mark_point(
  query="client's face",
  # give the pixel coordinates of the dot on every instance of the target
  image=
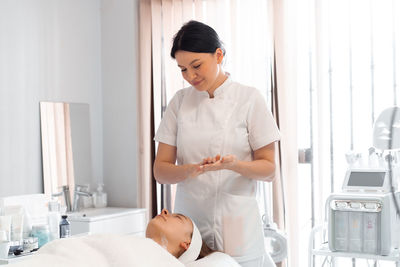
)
(171, 230)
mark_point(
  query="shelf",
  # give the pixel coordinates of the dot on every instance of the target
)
(324, 251)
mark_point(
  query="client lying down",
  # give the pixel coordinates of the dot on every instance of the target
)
(179, 235)
(171, 240)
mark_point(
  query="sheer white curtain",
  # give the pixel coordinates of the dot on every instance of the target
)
(144, 104)
(285, 44)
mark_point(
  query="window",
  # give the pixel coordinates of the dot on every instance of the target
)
(348, 69)
(346, 56)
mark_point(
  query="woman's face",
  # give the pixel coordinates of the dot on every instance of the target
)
(172, 231)
(202, 70)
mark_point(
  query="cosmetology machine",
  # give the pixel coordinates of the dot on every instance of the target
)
(364, 217)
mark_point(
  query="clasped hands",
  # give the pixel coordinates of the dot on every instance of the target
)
(213, 164)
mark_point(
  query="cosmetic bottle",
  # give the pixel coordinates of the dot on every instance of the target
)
(100, 197)
(42, 233)
(54, 219)
(65, 230)
(27, 225)
(5, 225)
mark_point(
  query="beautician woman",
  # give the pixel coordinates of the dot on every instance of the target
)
(221, 135)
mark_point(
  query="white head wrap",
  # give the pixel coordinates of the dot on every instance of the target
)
(193, 251)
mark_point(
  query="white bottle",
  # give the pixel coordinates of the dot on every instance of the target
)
(54, 218)
(100, 197)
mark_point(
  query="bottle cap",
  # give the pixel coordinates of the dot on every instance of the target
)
(64, 216)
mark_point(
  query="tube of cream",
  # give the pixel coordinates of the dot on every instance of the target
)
(5, 225)
(17, 220)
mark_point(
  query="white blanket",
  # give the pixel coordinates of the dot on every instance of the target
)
(101, 251)
(114, 251)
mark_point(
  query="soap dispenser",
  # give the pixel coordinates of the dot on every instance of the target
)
(100, 197)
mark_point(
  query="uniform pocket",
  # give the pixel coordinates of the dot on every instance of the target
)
(242, 230)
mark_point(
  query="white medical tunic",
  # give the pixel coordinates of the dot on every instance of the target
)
(222, 203)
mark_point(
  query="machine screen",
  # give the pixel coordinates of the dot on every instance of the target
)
(373, 179)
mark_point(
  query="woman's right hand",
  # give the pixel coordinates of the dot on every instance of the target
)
(194, 170)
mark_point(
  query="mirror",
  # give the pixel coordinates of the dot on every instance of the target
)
(66, 145)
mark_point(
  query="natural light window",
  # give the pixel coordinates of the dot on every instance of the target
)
(346, 62)
(348, 70)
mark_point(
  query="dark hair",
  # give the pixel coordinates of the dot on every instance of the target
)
(205, 251)
(198, 37)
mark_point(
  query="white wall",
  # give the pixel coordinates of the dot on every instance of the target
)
(63, 51)
(49, 51)
(119, 30)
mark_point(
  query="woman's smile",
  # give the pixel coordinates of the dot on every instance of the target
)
(196, 83)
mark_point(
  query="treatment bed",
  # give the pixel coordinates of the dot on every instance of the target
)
(114, 251)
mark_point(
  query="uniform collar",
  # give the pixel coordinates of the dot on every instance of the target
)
(220, 89)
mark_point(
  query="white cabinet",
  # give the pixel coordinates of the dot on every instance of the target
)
(109, 221)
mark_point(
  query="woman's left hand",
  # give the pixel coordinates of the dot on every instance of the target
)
(218, 163)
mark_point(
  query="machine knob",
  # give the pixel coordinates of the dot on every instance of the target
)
(355, 205)
(340, 204)
(371, 206)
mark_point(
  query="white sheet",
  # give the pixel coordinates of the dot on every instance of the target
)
(101, 251)
(216, 259)
(114, 251)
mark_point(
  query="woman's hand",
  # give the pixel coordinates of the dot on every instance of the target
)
(167, 172)
(194, 170)
(262, 167)
(217, 163)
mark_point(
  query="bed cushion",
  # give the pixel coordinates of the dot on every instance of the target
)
(216, 259)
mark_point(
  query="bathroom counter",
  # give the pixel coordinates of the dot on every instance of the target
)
(109, 220)
(99, 214)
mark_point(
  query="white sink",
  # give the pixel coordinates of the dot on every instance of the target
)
(89, 215)
(108, 220)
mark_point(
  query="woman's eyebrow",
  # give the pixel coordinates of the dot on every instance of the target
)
(194, 61)
(181, 215)
(190, 62)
